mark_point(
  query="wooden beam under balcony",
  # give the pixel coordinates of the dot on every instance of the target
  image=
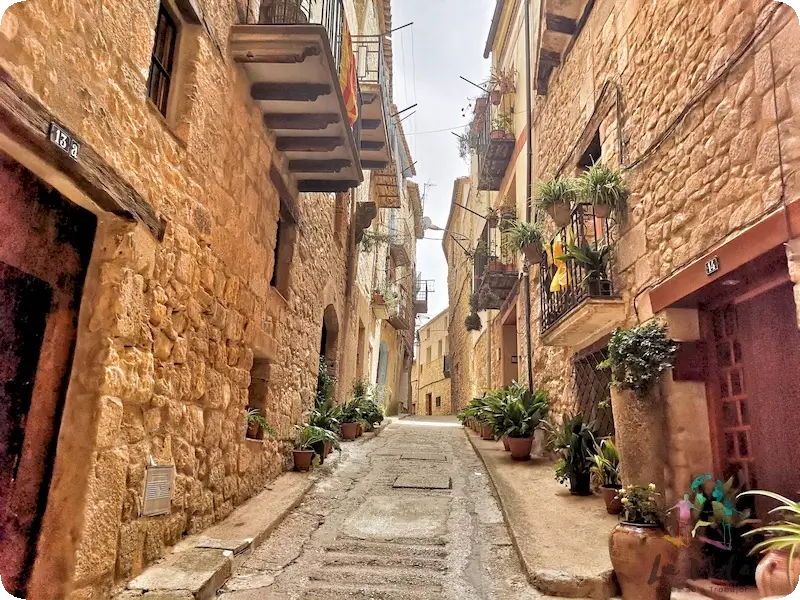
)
(308, 144)
(560, 24)
(372, 146)
(318, 166)
(309, 122)
(289, 92)
(314, 185)
(371, 123)
(374, 165)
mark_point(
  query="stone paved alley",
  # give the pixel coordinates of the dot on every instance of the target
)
(407, 515)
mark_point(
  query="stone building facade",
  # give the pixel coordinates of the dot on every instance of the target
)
(431, 370)
(694, 104)
(195, 265)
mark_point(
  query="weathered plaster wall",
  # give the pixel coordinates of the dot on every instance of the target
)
(169, 330)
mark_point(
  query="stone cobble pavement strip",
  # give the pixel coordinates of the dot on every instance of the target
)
(357, 535)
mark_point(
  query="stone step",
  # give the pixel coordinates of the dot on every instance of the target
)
(425, 548)
(371, 592)
(378, 560)
(378, 576)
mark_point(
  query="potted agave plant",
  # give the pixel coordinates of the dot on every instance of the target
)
(778, 573)
(527, 238)
(306, 439)
(326, 416)
(574, 442)
(593, 258)
(556, 197)
(605, 472)
(521, 415)
(350, 419)
(603, 188)
(643, 559)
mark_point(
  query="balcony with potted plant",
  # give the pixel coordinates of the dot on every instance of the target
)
(491, 134)
(298, 58)
(580, 300)
(378, 132)
(495, 278)
(399, 307)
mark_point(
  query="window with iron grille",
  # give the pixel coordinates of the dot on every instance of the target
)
(162, 60)
(592, 391)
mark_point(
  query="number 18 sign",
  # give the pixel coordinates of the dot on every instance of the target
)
(64, 140)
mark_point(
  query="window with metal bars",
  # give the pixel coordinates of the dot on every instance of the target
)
(162, 60)
(592, 391)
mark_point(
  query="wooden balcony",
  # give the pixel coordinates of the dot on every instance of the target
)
(377, 124)
(587, 307)
(291, 52)
(401, 316)
(563, 20)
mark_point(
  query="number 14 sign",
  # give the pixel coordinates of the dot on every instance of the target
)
(64, 141)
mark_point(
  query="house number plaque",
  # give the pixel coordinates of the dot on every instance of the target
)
(712, 266)
(64, 140)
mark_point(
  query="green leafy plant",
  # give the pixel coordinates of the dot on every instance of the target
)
(783, 535)
(479, 409)
(601, 185)
(640, 505)
(521, 234)
(307, 436)
(351, 411)
(519, 412)
(561, 190)
(468, 142)
(593, 257)
(371, 238)
(574, 442)
(327, 416)
(639, 356)
(473, 322)
(503, 121)
(254, 417)
(605, 464)
(325, 382)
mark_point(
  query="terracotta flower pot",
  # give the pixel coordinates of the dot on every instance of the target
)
(493, 221)
(252, 431)
(328, 449)
(349, 431)
(644, 562)
(497, 97)
(486, 432)
(560, 212)
(772, 574)
(506, 445)
(601, 211)
(360, 430)
(533, 253)
(303, 459)
(498, 134)
(319, 450)
(613, 503)
(520, 447)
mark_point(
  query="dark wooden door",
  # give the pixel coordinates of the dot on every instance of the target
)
(24, 305)
(429, 404)
(771, 353)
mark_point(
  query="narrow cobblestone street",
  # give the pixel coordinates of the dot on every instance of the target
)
(407, 515)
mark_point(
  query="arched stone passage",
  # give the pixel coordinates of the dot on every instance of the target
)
(329, 342)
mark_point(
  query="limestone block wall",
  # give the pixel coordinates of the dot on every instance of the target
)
(694, 182)
(169, 330)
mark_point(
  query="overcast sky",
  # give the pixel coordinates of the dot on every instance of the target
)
(445, 41)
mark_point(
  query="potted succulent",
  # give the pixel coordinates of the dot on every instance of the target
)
(556, 197)
(603, 188)
(778, 573)
(605, 472)
(527, 238)
(644, 560)
(326, 416)
(593, 258)
(501, 82)
(637, 358)
(257, 425)
(306, 439)
(350, 419)
(574, 442)
(521, 415)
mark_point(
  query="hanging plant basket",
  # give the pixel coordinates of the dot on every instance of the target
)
(493, 221)
(533, 253)
(496, 97)
(560, 212)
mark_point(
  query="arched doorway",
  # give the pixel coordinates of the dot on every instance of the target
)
(329, 343)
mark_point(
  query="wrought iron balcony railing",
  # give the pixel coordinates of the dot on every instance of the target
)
(378, 143)
(576, 266)
(421, 290)
(495, 144)
(400, 313)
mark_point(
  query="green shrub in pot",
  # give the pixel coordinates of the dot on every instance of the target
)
(574, 441)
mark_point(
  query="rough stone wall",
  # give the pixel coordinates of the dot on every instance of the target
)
(717, 172)
(169, 330)
(433, 382)
(461, 341)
